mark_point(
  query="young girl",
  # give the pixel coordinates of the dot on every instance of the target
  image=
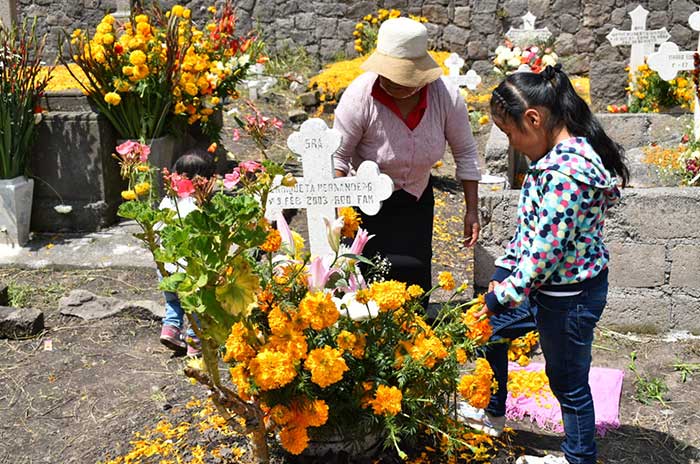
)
(557, 260)
(195, 162)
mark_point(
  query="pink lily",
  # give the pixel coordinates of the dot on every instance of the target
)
(319, 274)
(250, 166)
(286, 234)
(361, 239)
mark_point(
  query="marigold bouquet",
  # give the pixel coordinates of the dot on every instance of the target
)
(510, 58)
(651, 94)
(315, 345)
(157, 68)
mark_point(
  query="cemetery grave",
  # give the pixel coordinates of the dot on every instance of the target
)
(77, 389)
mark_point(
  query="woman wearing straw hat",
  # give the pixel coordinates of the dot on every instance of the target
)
(400, 114)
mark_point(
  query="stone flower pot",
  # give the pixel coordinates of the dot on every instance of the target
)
(15, 210)
(326, 441)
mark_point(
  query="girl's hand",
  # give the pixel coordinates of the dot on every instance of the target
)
(471, 228)
(484, 312)
(492, 285)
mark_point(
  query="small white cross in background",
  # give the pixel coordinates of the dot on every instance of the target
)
(641, 39)
(528, 34)
(668, 60)
(319, 192)
(257, 83)
(470, 80)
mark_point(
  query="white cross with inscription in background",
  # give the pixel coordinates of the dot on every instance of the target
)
(528, 33)
(319, 192)
(8, 13)
(641, 39)
(470, 80)
(668, 60)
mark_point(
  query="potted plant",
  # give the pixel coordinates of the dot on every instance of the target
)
(21, 86)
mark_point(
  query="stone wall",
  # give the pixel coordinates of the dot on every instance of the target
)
(472, 28)
(653, 238)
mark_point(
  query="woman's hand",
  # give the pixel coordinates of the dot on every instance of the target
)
(471, 228)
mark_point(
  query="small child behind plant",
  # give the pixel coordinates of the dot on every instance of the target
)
(194, 162)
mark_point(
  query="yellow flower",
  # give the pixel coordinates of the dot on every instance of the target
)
(187, 13)
(108, 19)
(241, 379)
(351, 221)
(394, 14)
(387, 401)
(108, 39)
(177, 10)
(237, 346)
(122, 85)
(390, 295)
(113, 98)
(272, 369)
(142, 18)
(104, 28)
(477, 387)
(359, 26)
(142, 168)
(179, 108)
(294, 439)
(142, 188)
(484, 119)
(212, 9)
(272, 242)
(143, 29)
(128, 195)
(446, 281)
(137, 57)
(326, 365)
(318, 310)
(414, 291)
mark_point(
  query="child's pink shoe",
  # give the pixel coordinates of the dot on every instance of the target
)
(194, 347)
(171, 337)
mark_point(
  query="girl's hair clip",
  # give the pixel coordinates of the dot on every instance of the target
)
(550, 72)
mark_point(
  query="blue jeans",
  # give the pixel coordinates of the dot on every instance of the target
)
(174, 314)
(566, 327)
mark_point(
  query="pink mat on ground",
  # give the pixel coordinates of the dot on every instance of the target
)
(543, 408)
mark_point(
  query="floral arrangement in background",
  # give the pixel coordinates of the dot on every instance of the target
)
(156, 69)
(366, 29)
(510, 58)
(674, 165)
(21, 86)
(651, 94)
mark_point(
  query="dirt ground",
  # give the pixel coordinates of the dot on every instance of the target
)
(79, 391)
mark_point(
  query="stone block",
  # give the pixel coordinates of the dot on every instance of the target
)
(565, 44)
(644, 311)
(636, 265)
(20, 323)
(462, 16)
(142, 309)
(628, 129)
(15, 210)
(484, 257)
(685, 266)
(668, 127)
(87, 305)
(309, 98)
(496, 152)
(660, 213)
(685, 313)
(75, 149)
(569, 23)
(454, 36)
(297, 116)
(436, 14)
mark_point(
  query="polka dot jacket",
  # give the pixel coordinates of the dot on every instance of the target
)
(558, 242)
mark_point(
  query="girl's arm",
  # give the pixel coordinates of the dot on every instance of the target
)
(560, 208)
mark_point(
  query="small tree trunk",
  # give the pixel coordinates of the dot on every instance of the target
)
(259, 442)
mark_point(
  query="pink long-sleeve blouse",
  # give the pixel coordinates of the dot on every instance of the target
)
(371, 131)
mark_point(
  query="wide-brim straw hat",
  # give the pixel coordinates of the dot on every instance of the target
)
(402, 54)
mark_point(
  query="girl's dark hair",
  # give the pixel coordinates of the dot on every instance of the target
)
(552, 90)
(195, 162)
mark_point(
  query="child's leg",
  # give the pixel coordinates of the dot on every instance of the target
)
(174, 315)
(509, 325)
(566, 334)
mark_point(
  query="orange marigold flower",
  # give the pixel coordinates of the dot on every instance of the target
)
(272, 242)
(318, 310)
(326, 365)
(387, 401)
(363, 296)
(414, 291)
(272, 369)
(351, 221)
(241, 379)
(291, 341)
(265, 299)
(390, 295)
(446, 281)
(294, 439)
(237, 346)
(478, 386)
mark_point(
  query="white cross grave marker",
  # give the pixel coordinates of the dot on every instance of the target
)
(641, 39)
(528, 33)
(319, 192)
(123, 10)
(470, 80)
(8, 12)
(668, 60)
(259, 82)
